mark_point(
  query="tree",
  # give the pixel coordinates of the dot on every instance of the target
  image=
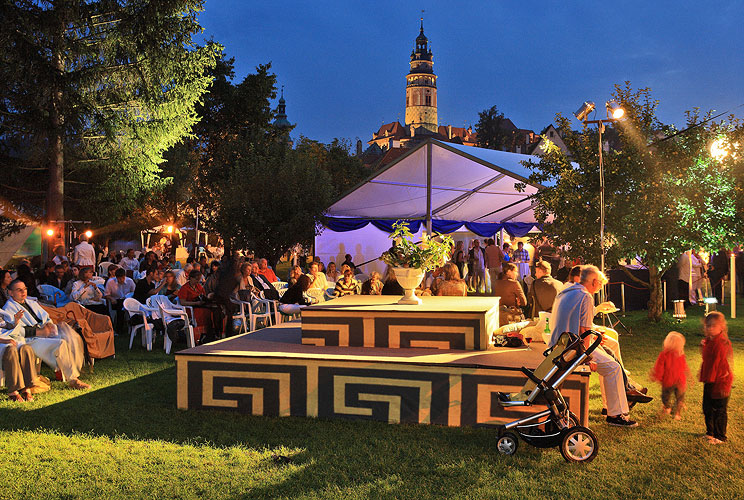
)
(493, 129)
(664, 194)
(344, 169)
(91, 95)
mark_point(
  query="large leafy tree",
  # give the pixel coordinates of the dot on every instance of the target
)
(492, 129)
(664, 192)
(91, 95)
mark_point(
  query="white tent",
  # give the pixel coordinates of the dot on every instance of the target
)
(444, 186)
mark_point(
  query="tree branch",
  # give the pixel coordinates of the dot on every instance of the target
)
(635, 278)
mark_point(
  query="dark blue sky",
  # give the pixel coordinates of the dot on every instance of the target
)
(343, 62)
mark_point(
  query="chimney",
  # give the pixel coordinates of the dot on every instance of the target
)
(449, 131)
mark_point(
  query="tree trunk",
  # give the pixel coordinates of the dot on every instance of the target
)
(56, 191)
(656, 301)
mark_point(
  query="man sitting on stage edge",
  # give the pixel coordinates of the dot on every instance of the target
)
(573, 311)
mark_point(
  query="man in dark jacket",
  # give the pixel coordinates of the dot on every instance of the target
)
(717, 272)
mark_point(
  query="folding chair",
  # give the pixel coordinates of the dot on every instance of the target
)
(170, 311)
(135, 308)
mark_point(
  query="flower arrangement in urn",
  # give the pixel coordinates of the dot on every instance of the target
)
(411, 260)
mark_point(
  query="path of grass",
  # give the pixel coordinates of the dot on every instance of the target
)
(126, 439)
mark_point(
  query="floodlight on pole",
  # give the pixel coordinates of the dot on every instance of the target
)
(88, 233)
(614, 113)
(50, 232)
(584, 111)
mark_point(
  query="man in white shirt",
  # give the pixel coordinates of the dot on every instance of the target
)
(479, 266)
(129, 263)
(85, 254)
(117, 289)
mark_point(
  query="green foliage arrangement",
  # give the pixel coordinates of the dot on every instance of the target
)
(428, 254)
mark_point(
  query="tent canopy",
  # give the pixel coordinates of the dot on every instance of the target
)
(445, 182)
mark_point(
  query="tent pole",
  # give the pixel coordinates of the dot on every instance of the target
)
(428, 188)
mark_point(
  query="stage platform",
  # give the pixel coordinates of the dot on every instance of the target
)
(271, 372)
(378, 321)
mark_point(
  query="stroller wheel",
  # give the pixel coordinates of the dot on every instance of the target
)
(507, 443)
(579, 445)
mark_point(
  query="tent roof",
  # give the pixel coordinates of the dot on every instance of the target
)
(467, 184)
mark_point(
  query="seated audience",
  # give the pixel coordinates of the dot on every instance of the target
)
(19, 366)
(5, 279)
(58, 279)
(321, 266)
(61, 353)
(262, 283)
(23, 273)
(148, 260)
(130, 263)
(171, 287)
(543, 289)
(294, 299)
(113, 256)
(210, 284)
(265, 271)
(332, 273)
(87, 294)
(574, 276)
(373, 286)
(146, 287)
(347, 285)
(390, 285)
(508, 288)
(72, 275)
(117, 289)
(452, 285)
(294, 274)
(317, 277)
(45, 273)
(207, 315)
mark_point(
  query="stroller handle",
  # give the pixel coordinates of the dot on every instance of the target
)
(594, 344)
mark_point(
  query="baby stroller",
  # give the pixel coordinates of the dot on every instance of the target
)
(556, 426)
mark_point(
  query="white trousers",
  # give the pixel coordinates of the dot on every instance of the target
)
(611, 383)
(63, 352)
(291, 309)
(493, 275)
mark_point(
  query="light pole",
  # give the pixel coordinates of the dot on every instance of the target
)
(719, 150)
(614, 113)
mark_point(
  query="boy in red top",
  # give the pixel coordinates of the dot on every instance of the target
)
(671, 370)
(716, 375)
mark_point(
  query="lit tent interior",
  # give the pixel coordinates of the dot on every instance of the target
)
(464, 191)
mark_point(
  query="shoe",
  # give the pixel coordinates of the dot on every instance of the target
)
(713, 440)
(644, 390)
(635, 396)
(604, 411)
(621, 421)
(677, 417)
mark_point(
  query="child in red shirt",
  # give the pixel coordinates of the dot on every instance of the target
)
(671, 370)
(716, 375)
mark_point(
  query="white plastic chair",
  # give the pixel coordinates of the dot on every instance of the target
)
(103, 268)
(257, 309)
(168, 311)
(135, 308)
(281, 287)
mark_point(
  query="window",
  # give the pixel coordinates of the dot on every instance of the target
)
(428, 100)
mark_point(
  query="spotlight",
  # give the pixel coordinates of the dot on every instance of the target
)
(584, 111)
(614, 110)
(50, 232)
(169, 229)
(88, 233)
(719, 149)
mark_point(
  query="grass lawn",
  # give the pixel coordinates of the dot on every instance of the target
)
(126, 439)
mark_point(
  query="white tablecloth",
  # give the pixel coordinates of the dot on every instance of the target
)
(524, 269)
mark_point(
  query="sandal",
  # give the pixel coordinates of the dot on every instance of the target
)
(28, 396)
(78, 385)
(15, 396)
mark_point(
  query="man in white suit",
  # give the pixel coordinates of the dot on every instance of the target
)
(44, 337)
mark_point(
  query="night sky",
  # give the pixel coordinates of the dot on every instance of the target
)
(343, 63)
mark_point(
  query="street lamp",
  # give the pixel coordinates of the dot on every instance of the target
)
(615, 112)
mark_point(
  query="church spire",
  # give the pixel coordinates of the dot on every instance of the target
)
(281, 113)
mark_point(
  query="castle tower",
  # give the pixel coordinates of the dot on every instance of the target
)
(421, 87)
(281, 114)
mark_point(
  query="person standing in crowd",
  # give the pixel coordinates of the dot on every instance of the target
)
(718, 271)
(347, 261)
(129, 262)
(478, 257)
(521, 255)
(506, 249)
(59, 255)
(543, 289)
(716, 374)
(494, 259)
(459, 257)
(84, 254)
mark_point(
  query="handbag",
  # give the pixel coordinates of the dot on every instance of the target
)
(510, 314)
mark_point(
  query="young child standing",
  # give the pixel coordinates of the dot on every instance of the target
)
(716, 375)
(671, 370)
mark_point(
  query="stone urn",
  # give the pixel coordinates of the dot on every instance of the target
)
(409, 278)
